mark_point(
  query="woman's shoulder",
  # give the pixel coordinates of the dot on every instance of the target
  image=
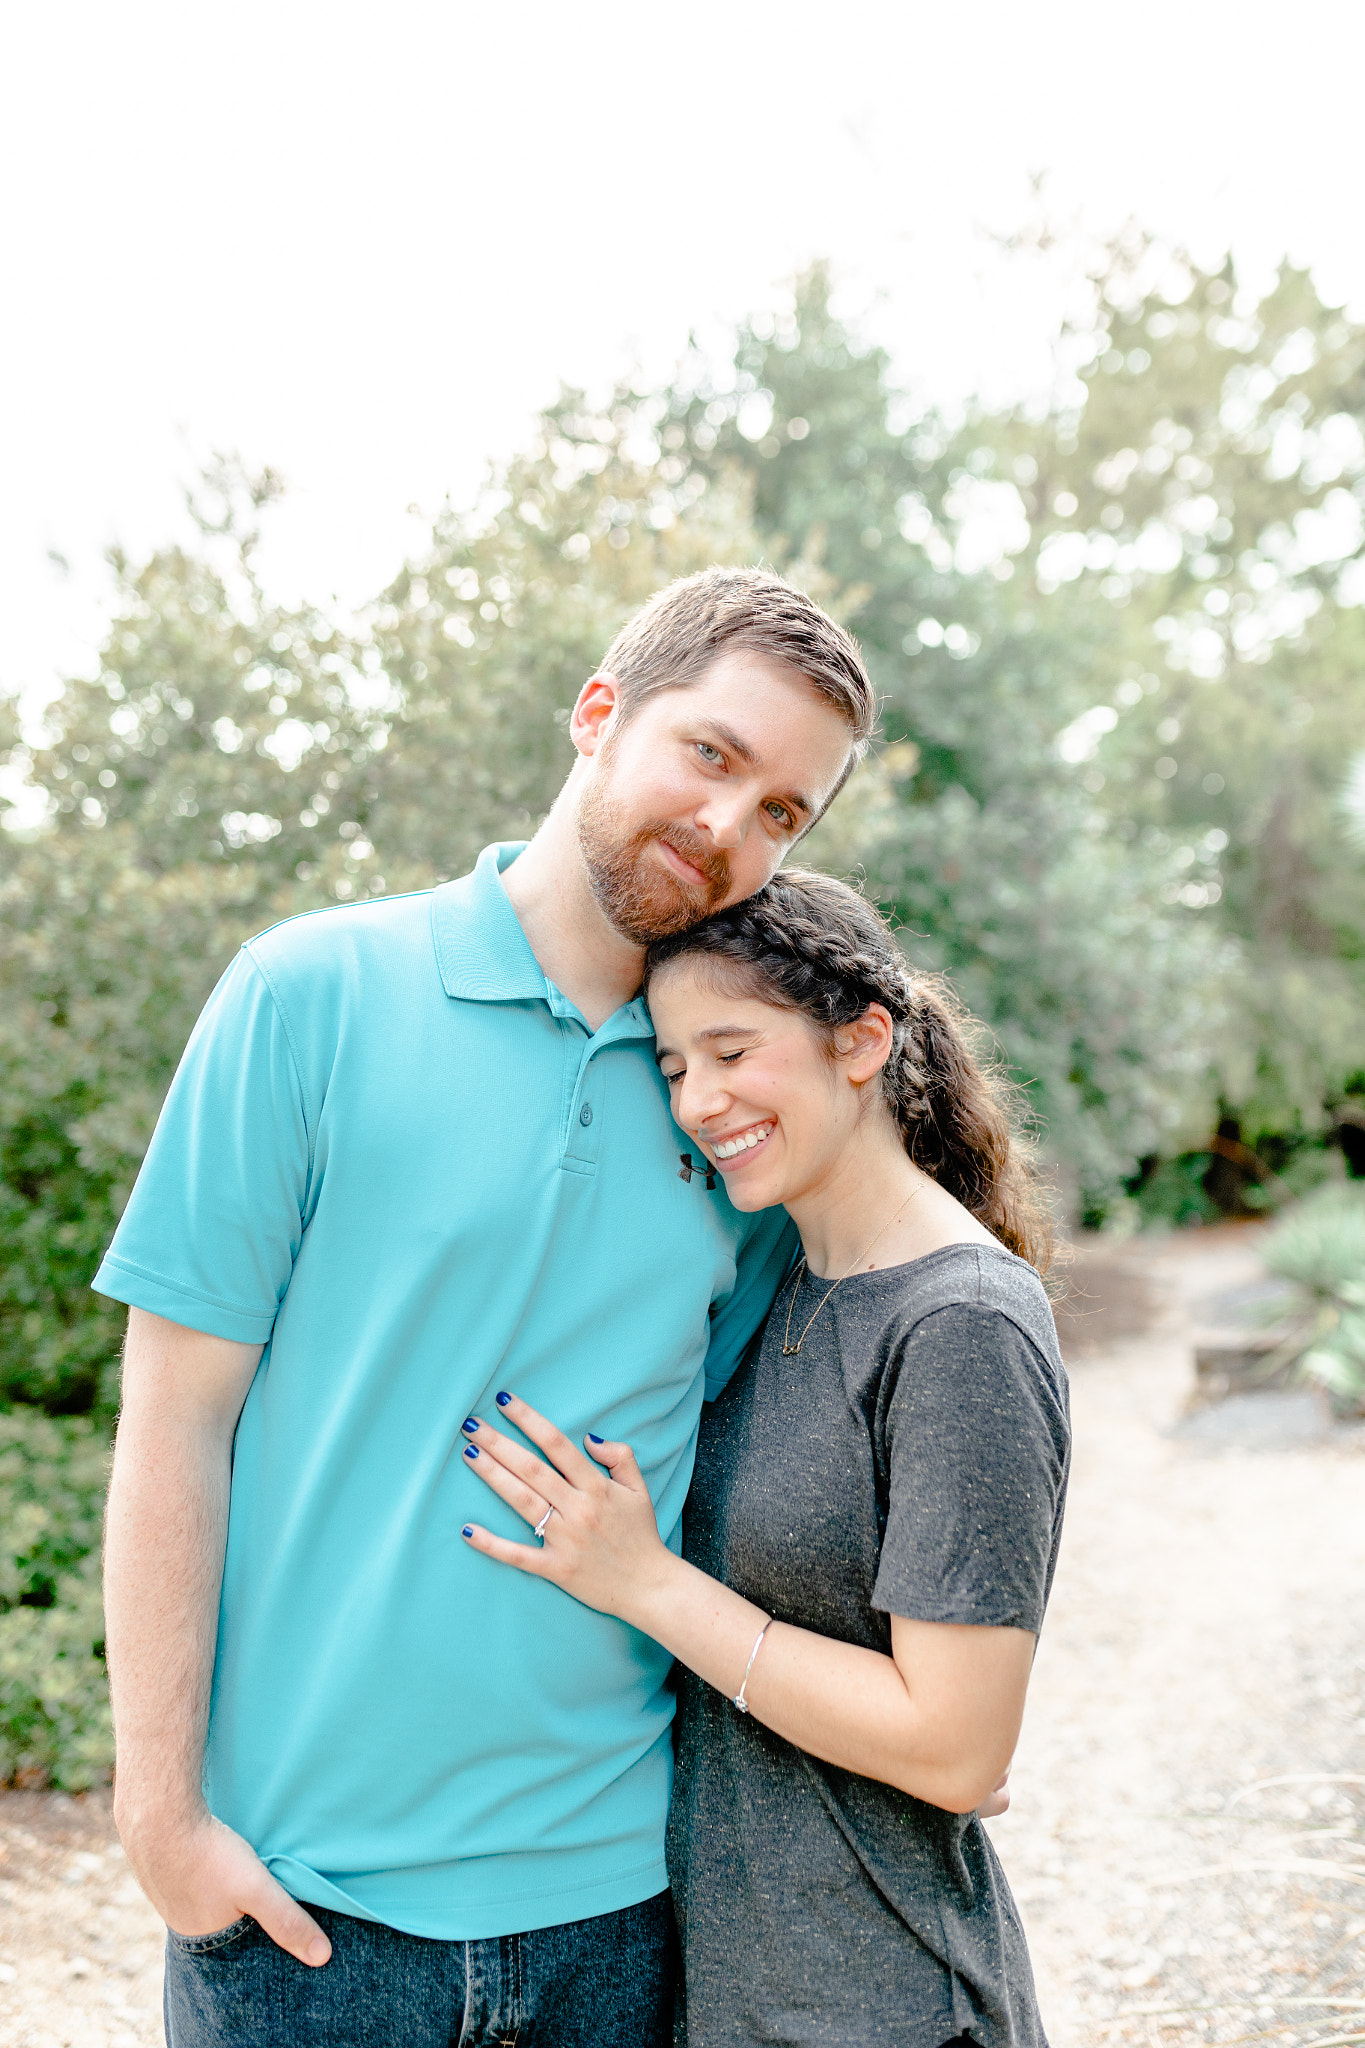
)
(983, 1278)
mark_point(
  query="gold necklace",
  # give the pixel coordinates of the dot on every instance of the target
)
(790, 1350)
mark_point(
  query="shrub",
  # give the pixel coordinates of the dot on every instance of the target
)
(55, 1724)
(1319, 1247)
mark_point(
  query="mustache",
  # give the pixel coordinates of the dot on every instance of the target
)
(709, 860)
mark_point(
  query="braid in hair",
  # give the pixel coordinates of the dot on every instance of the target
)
(809, 943)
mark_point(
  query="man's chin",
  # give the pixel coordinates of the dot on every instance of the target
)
(637, 887)
(656, 912)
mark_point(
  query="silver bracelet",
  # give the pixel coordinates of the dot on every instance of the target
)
(739, 1699)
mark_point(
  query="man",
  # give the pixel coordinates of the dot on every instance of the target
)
(418, 1153)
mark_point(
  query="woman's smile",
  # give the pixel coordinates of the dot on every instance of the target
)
(737, 1148)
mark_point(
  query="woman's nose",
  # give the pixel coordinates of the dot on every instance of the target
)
(698, 1100)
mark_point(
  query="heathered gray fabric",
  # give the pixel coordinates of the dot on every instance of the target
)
(911, 1460)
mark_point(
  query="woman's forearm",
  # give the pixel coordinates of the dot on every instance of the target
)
(852, 1707)
(939, 1718)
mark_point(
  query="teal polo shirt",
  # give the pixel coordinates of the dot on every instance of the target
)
(396, 1156)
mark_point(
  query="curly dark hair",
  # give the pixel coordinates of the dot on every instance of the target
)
(806, 942)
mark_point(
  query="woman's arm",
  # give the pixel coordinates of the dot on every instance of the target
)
(939, 1718)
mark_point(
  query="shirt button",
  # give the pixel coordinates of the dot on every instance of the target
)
(585, 1114)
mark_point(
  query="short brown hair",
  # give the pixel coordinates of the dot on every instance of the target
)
(674, 638)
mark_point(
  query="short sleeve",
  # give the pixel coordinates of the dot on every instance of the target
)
(215, 1219)
(764, 1254)
(976, 1449)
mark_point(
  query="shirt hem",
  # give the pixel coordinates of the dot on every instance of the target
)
(952, 1617)
(137, 1288)
(482, 1919)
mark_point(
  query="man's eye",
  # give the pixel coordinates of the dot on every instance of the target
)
(727, 1059)
(671, 1078)
(709, 753)
(779, 813)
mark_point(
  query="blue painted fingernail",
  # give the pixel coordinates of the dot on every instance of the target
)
(469, 1425)
(503, 1400)
(595, 1439)
(466, 1531)
(471, 1450)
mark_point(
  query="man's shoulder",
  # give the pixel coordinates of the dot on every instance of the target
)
(319, 956)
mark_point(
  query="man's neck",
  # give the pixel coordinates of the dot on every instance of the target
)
(576, 947)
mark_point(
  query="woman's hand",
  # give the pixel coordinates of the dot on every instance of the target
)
(938, 1719)
(601, 1542)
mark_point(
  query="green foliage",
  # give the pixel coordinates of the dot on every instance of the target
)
(974, 830)
(54, 1711)
(488, 638)
(103, 968)
(1119, 639)
(55, 1722)
(1202, 475)
(1173, 1194)
(1319, 1247)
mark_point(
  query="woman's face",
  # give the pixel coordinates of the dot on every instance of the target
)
(753, 1084)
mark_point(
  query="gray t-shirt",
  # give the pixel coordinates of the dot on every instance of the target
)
(911, 1460)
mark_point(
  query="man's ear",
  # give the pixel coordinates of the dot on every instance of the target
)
(864, 1046)
(588, 721)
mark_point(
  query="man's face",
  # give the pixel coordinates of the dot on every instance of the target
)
(692, 804)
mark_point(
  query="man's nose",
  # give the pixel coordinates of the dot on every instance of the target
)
(725, 819)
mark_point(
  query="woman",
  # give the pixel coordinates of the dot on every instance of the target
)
(873, 1524)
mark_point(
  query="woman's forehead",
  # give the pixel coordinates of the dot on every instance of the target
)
(699, 978)
(695, 1000)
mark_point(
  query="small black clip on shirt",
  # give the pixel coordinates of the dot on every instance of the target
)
(689, 1167)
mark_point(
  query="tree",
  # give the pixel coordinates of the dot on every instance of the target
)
(1202, 473)
(975, 829)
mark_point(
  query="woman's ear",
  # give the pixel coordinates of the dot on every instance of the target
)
(864, 1046)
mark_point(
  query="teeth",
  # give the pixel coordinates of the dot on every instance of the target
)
(745, 1142)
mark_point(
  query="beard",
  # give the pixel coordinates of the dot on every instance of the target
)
(643, 899)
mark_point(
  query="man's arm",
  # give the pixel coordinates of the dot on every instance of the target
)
(165, 1536)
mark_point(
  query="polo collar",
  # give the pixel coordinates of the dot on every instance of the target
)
(485, 957)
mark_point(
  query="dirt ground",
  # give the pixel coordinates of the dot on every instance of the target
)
(1206, 1637)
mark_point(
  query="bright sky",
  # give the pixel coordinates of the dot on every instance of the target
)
(364, 243)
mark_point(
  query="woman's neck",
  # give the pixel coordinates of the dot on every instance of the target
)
(871, 1181)
(877, 1208)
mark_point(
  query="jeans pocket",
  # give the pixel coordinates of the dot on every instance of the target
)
(200, 1944)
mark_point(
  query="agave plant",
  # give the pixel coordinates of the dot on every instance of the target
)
(1319, 1248)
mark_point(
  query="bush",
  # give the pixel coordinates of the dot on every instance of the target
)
(1319, 1247)
(55, 1724)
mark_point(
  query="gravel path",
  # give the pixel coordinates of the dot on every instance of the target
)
(1207, 1634)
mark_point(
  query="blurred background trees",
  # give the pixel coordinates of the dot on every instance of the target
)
(1120, 797)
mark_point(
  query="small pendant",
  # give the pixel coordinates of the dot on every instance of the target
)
(791, 1350)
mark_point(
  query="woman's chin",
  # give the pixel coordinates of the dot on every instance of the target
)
(750, 1191)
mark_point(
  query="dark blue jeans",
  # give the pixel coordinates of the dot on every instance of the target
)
(601, 1983)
